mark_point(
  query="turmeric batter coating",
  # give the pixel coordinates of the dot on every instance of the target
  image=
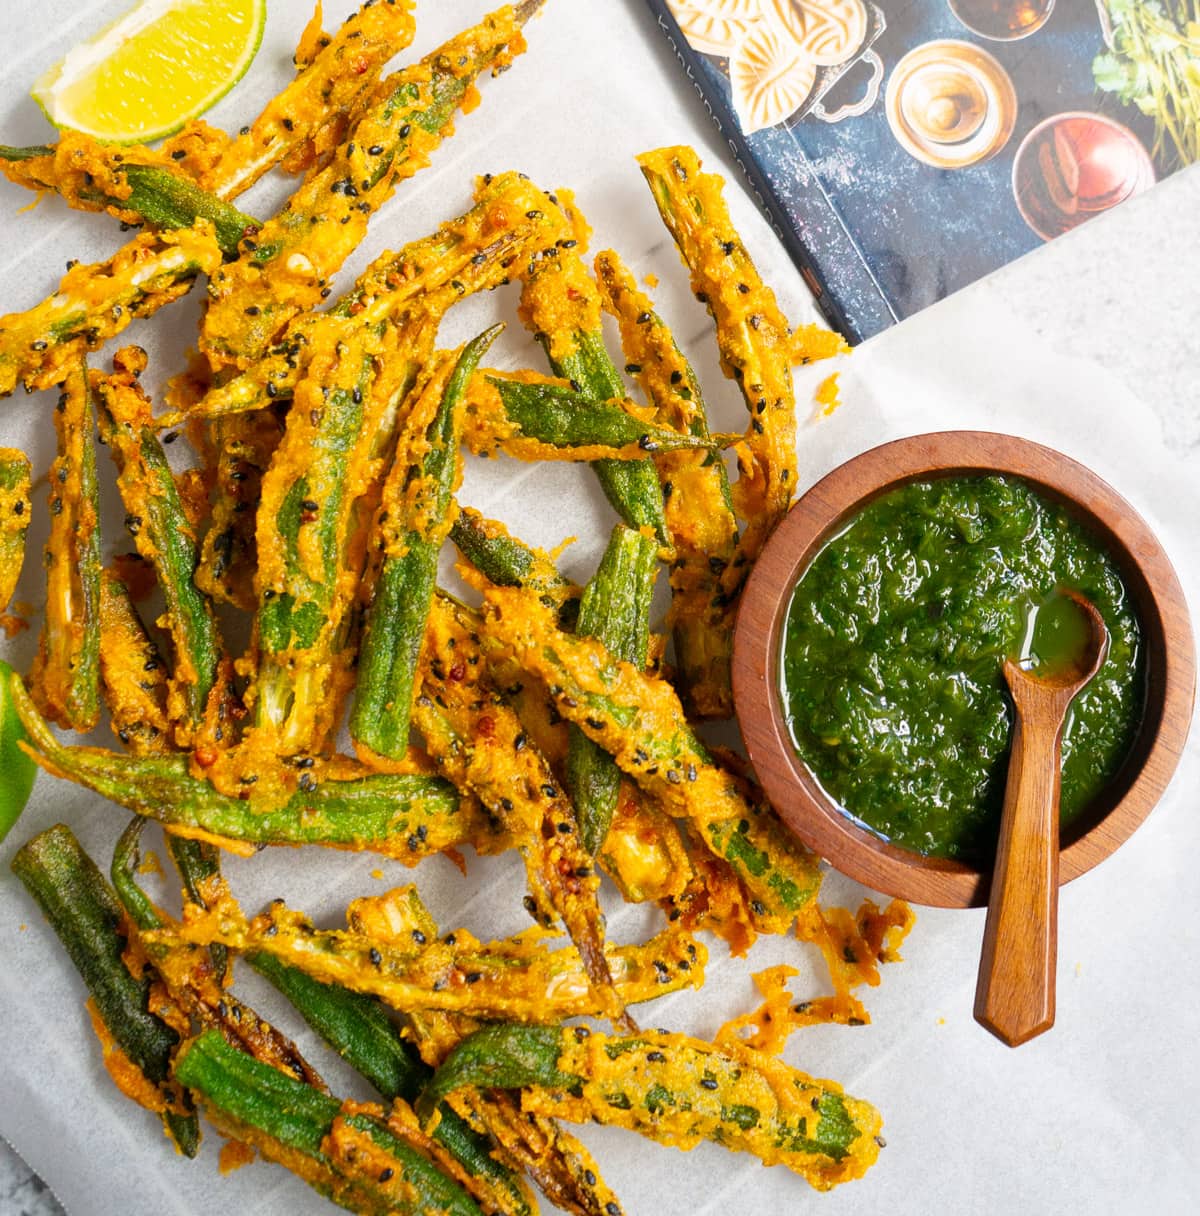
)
(65, 675)
(639, 720)
(284, 268)
(480, 744)
(337, 77)
(94, 303)
(695, 492)
(753, 336)
(14, 519)
(518, 978)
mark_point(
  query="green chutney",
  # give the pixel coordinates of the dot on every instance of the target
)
(893, 654)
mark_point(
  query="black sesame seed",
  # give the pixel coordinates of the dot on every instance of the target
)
(708, 1083)
(375, 957)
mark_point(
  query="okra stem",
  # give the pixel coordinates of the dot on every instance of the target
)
(85, 914)
(416, 507)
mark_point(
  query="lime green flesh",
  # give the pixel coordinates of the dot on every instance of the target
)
(142, 79)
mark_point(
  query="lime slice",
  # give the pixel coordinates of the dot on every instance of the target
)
(163, 62)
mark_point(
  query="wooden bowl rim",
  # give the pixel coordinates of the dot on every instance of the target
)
(817, 515)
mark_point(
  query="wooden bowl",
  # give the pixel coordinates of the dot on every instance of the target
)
(819, 515)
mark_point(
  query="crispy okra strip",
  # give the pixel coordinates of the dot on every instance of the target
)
(39, 347)
(244, 446)
(133, 674)
(135, 186)
(508, 562)
(304, 544)
(676, 1090)
(405, 816)
(562, 1168)
(14, 520)
(189, 981)
(407, 290)
(66, 673)
(84, 912)
(561, 307)
(155, 517)
(643, 852)
(342, 75)
(753, 336)
(537, 418)
(285, 267)
(353, 1153)
(359, 1029)
(479, 743)
(695, 485)
(615, 609)
(312, 536)
(638, 719)
(413, 521)
(518, 979)
(469, 254)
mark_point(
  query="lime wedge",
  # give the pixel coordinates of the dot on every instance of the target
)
(163, 62)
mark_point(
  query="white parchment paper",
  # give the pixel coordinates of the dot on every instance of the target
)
(1096, 1116)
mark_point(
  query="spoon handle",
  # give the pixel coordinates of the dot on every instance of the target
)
(1014, 994)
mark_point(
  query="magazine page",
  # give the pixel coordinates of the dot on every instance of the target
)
(934, 141)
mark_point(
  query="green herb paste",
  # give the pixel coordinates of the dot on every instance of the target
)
(894, 647)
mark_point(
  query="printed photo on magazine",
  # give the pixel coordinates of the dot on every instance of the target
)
(904, 150)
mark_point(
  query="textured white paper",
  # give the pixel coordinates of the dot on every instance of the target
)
(1096, 1116)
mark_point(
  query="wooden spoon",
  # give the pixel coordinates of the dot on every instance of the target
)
(1014, 994)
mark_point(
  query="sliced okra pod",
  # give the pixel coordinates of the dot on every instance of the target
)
(84, 912)
(674, 1089)
(154, 516)
(405, 816)
(39, 347)
(352, 1154)
(638, 719)
(698, 504)
(66, 672)
(615, 609)
(284, 267)
(414, 520)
